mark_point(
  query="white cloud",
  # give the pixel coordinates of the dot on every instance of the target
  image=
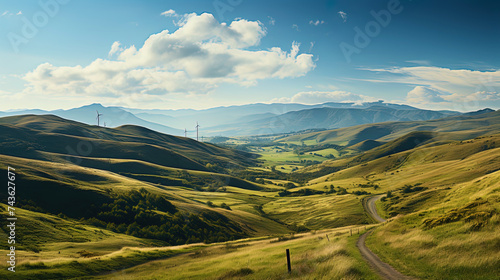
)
(316, 23)
(311, 46)
(169, 13)
(296, 27)
(444, 79)
(343, 15)
(317, 97)
(115, 48)
(7, 13)
(482, 96)
(432, 98)
(419, 62)
(201, 54)
(272, 21)
(437, 87)
(422, 95)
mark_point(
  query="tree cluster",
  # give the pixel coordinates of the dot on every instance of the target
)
(146, 215)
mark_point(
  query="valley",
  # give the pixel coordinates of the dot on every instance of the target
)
(132, 203)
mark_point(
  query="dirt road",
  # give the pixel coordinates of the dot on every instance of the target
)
(372, 209)
(384, 270)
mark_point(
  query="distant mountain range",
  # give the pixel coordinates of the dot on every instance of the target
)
(251, 119)
(366, 136)
(111, 117)
(327, 118)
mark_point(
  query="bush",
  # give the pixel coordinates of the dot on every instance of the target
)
(225, 206)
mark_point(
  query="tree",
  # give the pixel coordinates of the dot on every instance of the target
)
(225, 206)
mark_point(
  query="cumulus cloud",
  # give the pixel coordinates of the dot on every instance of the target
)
(434, 98)
(462, 89)
(424, 95)
(343, 15)
(201, 54)
(296, 27)
(317, 22)
(317, 97)
(116, 47)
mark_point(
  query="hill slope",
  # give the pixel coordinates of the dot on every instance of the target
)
(111, 117)
(463, 127)
(23, 135)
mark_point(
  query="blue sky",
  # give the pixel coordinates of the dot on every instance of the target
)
(430, 54)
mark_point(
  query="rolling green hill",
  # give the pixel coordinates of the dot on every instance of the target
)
(463, 127)
(135, 187)
(53, 134)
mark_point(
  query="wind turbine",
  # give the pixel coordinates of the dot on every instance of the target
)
(197, 126)
(185, 133)
(98, 117)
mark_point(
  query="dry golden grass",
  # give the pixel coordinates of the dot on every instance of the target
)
(312, 257)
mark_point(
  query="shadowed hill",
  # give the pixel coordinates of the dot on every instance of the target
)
(366, 145)
(405, 143)
(53, 134)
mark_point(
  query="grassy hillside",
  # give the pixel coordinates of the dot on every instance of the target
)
(453, 234)
(313, 256)
(129, 205)
(463, 127)
(54, 134)
(443, 200)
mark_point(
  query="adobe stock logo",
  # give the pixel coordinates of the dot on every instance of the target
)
(48, 9)
(372, 29)
(223, 6)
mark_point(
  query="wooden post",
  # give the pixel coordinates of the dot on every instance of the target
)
(288, 260)
(328, 238)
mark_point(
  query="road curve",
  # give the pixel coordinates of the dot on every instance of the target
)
(383, 269)
(371, 209)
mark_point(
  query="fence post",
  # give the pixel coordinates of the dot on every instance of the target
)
(288, 260)
(328, 238)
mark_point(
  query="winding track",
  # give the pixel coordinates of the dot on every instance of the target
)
(383, 269)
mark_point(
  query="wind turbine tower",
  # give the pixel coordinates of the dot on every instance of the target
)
(197, 126)
(98, 117)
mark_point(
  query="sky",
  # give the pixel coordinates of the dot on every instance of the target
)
(61, 54)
